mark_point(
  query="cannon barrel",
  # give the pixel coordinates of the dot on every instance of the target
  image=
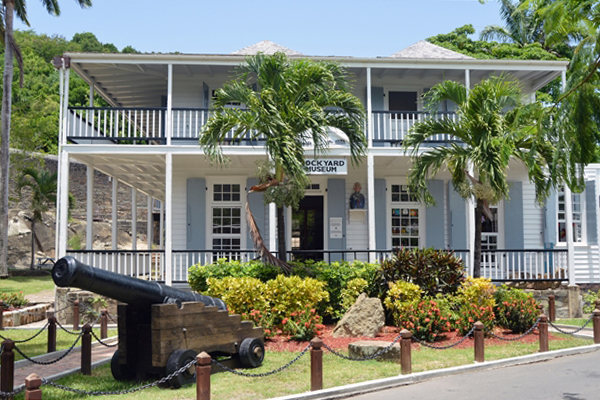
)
(68, 272)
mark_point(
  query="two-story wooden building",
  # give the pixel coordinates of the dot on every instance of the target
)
(148, 139)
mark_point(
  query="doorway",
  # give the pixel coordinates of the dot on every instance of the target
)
(307, 229)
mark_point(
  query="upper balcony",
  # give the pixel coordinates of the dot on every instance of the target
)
(148, 126)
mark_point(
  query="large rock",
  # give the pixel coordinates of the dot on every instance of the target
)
(367, 348)
(364, 318)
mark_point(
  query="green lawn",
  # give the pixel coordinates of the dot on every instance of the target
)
(574, 322)
(39, 345)
(296, 379)
(26, 284)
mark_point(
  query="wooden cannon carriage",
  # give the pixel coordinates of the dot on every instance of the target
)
(161, 329)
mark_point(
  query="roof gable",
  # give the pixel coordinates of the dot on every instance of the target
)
(266, 47)
(423, 49)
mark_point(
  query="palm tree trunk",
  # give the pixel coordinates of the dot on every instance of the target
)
(32, 243)
(478, 226)
(5, 136)
(281, 249)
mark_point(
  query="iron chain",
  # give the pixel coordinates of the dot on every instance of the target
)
(423, 343)
(49, 362)
(125, 391)
(27, 340)
(13, 393)
(110, 317)
(102, 343)
(66, 330)
(535, 325)
(371, 357)
(262, 374)
(576, 330)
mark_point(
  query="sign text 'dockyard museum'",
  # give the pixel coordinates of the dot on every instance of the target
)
(326, 166)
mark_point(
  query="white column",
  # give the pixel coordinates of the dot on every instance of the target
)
(89, 229)
(161, 227)
(471, 203)
(170, 104)
(91, 97)
(169, 220)
(114, 217)
(369, 110)
(569, 229)
(63, 205)
(272, 227)
(133, 218)
(149, 223)
(468, 80)
(371, 206)
(63, 140)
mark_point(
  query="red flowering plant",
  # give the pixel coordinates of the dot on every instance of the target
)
(427, 319)
(264, 319)
(515, 309)
(468, 314)
(303, 324)
(13, 300)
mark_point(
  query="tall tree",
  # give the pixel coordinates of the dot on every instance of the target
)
(488, 138)
(284, 103)
(524, 25)
(11, 49)
(42, 185)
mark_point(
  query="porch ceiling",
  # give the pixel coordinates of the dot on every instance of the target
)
(146, 172)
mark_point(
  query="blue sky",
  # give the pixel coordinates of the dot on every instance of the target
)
(312, 27)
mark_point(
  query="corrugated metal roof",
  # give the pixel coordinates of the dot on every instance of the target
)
(266, 47)
(423, 49)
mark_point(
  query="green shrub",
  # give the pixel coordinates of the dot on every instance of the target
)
(589, 301)
(399, 296)
(241, 294)
(353, 289)
(515, 309)
(427, 319)
(434, 271)
(474, 301)
(199, 274)
(302, 325)
(478, 291)
(291, 293)
(13, 300)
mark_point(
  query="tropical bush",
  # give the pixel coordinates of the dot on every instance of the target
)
(515, 309)
(469, 313)
(478, 291)
(13, 300)
(353, 289)
(291, 293)
(434, 271)
(399, 296)
(428, 319)
(241, 294)
(198, 275)
(302, 325)
(589, 301)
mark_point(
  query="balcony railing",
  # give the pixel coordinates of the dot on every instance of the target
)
(90, 125)
(497, 265)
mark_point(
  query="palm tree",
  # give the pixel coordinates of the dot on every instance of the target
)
(284, 103)
(12, 50)
(523, 24)
(488, 137)
(43, 194)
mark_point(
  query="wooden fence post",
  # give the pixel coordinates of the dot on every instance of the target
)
(551, 308)
(316, 364)
(51, 333)
(543, 328)
(596, 324)
(76, 315)
(479, 342)
(32, 387)
(7, 367)
(203, 367)
(103, 323)
(1, 315)
(86, 350)
(405, 351)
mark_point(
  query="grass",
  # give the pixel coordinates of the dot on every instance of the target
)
(26, 284)
(296, 379)
(39, 345)
(574, 322)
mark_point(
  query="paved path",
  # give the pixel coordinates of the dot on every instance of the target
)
(565, 378)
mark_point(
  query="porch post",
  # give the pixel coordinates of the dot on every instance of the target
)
(470, 203)
(468, 81)
(114, 217)
(371, 206)
(149, 223)
(133, 218)
(569, 229)
(272, 226)
(169, 218)
(169, 104)
(89, 229)
(63, 139)
(161, 227)
(63, 204)
(369, 111)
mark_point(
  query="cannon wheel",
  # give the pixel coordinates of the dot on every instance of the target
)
(120, 372)
(252, 352)
(178, 359)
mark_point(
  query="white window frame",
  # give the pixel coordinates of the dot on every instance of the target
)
(210, 204)
(390, 204)
(322, 191)
(582, 211)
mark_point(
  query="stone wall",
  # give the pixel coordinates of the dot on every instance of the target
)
(568, 300)
(25, 315)
(65, 297)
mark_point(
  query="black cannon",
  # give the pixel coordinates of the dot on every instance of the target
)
(161, 328)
